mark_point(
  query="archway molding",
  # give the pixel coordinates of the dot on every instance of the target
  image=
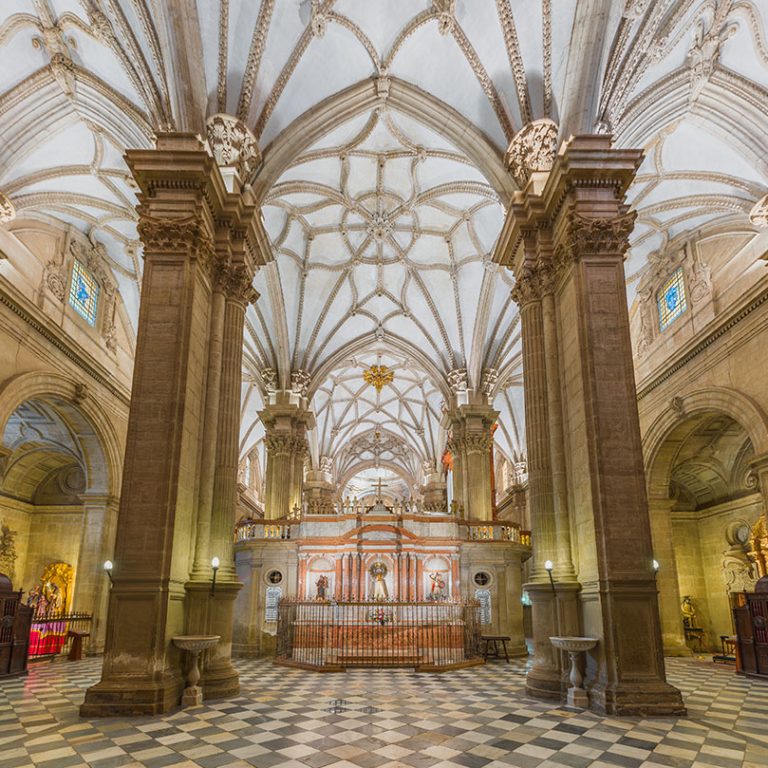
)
(730, 402)
(41, 385)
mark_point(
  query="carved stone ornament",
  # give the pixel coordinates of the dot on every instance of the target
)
(319, 19)
(269, 376)
(593, 236)
(7, 211)
(527, 288)
(169, 235)
(758, 215)
(445, 10)
(233, 145)
(532, 149)
(489, 380)
(457, 380)
(711, 31)
(326, 464)
(55, 279)
(238, 284)
(300, 381)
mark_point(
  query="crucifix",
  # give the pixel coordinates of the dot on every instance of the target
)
(378, 490)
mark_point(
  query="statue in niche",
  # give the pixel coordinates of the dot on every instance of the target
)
(322, 588)
(689, 612)
(437, 587)
(378, 573)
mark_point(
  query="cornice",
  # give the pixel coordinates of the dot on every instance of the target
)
(58, 339)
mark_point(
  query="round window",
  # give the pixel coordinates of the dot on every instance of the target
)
(482, 578)
(274, 577)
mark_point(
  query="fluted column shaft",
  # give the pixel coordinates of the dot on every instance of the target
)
(201, 568)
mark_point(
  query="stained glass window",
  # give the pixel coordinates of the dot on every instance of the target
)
(671, 299)
(83, 293)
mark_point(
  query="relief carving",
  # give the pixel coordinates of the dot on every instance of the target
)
(7, 211)
(758, 215)
(233, 145)
(533, 149)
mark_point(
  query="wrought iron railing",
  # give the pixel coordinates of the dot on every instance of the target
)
(337, 635)
(53, 634)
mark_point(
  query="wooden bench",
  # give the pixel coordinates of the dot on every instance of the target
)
(495, 639)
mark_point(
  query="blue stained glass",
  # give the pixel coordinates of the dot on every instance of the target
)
(671, 299)
(84, 293)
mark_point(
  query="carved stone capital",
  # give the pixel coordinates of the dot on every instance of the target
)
(584, 236)
(172, 235)
(7, 211)
(532, 149)
(527, 288)
(237, 282)
(233, 145)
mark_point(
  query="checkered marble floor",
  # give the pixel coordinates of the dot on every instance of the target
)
(474, 718)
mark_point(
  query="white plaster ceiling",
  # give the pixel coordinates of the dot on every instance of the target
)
(82, 80)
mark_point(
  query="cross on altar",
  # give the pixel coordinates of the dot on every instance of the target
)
(378, 490)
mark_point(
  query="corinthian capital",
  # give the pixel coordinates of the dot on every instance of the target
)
(527, 288)
(173, 235)
(584, 236)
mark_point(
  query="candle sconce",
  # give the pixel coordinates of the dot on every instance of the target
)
(108, 565)
(549, 567)
(215, 562)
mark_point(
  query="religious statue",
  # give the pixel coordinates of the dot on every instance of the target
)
(322, 587)
(378, 572)
(437, 588)
(689, 612)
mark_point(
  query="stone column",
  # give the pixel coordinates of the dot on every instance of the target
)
(543, 679)
(96, 545)
(186, 207)
(619, 602)
(286, 422)
(672, 635)
(578, 213)
(470, 442)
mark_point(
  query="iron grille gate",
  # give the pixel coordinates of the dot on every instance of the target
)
(337, 635)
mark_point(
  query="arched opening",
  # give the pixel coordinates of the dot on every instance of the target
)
(704, 501)
(57, 511)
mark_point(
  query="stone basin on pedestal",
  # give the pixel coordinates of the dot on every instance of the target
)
(194, 645)
(577, 696)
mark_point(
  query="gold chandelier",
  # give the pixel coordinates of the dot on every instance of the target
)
(378, 376)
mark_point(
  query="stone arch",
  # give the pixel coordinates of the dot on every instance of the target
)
(75, 398)
(404, 97)
(730, 402)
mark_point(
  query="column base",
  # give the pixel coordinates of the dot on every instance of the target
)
(555, 612)
(677, 651)
(639, 699)
(517, 651)
(213, 613)
(132, 696)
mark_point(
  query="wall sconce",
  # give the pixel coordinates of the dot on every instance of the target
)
(549, 567)
(108, 570)
(656, 567)
(215, 567)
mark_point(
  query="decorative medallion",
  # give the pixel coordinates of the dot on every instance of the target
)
(232, 144)
(378, 376)
(532, 149)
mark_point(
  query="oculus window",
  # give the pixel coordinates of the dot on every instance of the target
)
(84, 293)
(671, 299)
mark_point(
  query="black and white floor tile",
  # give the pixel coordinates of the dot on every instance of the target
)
(474, 718)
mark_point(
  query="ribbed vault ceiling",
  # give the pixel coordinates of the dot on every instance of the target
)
(382, 218)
